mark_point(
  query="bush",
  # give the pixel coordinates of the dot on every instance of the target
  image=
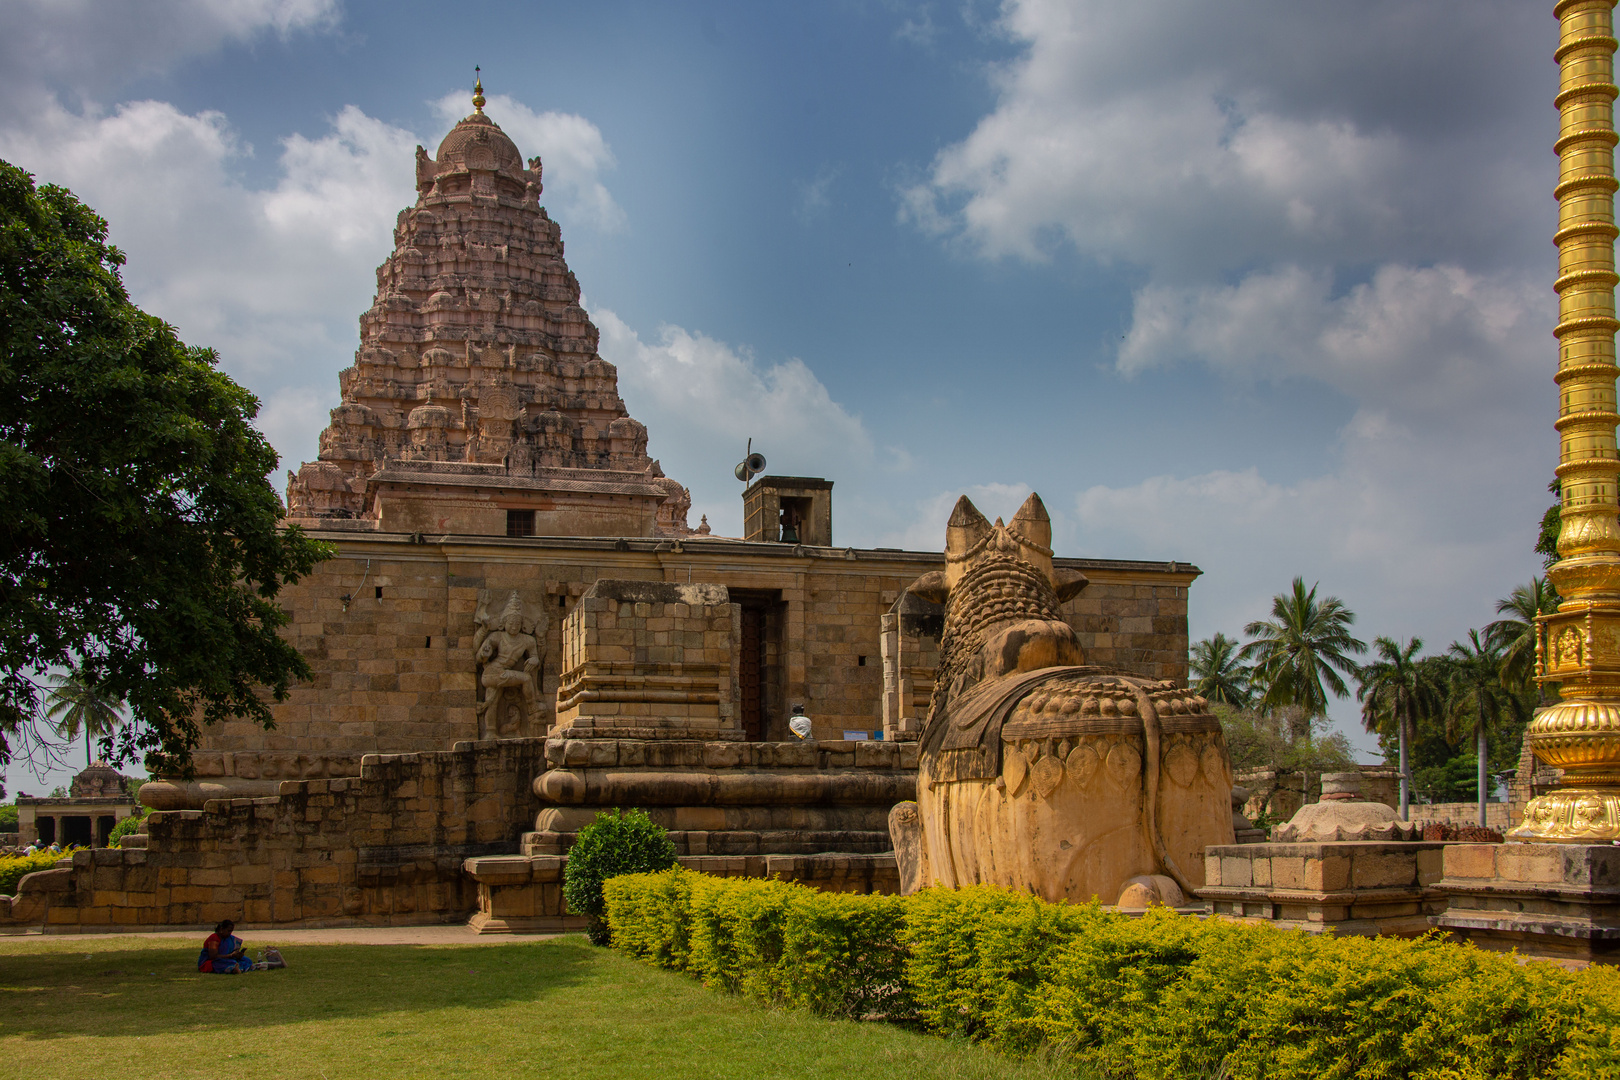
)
(1160, 996)
(131, 824)
(617, 842)
(13, 868)
(8, 819)
(833, 953)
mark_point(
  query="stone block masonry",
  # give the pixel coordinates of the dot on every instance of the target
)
(381, 849)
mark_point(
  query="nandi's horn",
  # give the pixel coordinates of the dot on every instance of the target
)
(1033, 527)
(1033, 523)
(965, 530)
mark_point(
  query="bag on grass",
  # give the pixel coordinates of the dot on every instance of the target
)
(272, 959)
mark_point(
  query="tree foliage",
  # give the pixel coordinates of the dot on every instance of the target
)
(617, 842)
(1514, 638)
(140, 541)
(75, 704)
(1219, 676)
(1284, 740)
(1302, 652)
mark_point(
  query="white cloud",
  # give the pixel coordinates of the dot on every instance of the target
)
(1190, 137)
(572, 150)
(92, 48)
(703, 400)
(1433, 340)
(814, 196)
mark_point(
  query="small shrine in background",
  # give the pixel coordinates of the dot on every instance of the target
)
(98, 799)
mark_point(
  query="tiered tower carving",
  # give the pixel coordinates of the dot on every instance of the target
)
(477, 365)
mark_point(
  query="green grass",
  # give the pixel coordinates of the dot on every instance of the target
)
(557, 1009)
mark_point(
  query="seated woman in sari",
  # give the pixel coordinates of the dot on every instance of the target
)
(224, 953)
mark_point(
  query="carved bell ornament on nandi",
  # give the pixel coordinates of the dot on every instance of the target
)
(1041, 773)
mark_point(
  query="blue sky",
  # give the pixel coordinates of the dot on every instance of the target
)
(1260, 286)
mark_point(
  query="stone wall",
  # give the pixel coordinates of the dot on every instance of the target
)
(383, 848)
(1498, 815)
(647, 659)
(388, 628)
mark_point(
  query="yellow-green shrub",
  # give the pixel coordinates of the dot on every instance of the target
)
(1160, 996)
(834, 954)
(13, 868)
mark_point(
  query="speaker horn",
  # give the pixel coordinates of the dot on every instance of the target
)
(751, 465)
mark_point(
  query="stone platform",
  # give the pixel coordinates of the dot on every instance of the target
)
(522, 894)
(1348, 887)
(1558, 901)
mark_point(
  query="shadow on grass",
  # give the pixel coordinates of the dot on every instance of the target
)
(156, 989)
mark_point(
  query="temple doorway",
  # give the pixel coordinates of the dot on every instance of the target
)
(759, 663)
(76, 830)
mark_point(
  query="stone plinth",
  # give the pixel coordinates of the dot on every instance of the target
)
(522, 894)
(1559, 901)
(1349, 887)
(729, 798)
(650, 659)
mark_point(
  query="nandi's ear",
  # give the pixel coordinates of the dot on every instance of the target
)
(931, 587)
(965, 529)
(1033, 523)
(1069, 583)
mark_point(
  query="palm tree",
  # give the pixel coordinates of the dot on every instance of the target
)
(77, 704)
(1301, 647)
(1474, 701)
(1222, 677)
(1515, 637)
(1398, 691)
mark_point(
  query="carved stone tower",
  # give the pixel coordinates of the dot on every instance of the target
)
(477, 403)
(1578, 646)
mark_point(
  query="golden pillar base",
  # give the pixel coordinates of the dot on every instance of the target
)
(1583, 739)
(1571, 816)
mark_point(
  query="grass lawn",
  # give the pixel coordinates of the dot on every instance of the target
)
(72, 1008)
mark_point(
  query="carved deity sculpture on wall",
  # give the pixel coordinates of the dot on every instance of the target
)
(1037, 771)
(508, 649)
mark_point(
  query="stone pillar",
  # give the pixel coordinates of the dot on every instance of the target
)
(1578, 646)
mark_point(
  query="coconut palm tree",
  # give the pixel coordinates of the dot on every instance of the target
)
(1397, 691)
(75, 703)
(1221, 677)
(1476, 697)
(1515, 637)
(1300, 651)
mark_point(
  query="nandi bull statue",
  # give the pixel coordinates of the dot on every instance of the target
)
(1038, 772)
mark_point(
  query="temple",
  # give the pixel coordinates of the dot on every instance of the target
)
(477, 403)
(518, 629)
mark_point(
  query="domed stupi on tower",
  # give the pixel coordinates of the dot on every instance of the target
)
(477, 403)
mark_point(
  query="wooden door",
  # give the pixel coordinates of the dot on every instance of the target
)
(750, 674)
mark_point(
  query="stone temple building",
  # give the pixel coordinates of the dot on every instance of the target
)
(519, 628)
(482, 466)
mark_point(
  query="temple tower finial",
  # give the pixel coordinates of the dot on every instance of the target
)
(478, 89)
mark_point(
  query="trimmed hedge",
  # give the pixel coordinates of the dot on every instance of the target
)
(1161, 996)
(832, 953)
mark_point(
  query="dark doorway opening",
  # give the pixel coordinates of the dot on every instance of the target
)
(47, 830)
(75, 831)
(104, 828)
(759, 664)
